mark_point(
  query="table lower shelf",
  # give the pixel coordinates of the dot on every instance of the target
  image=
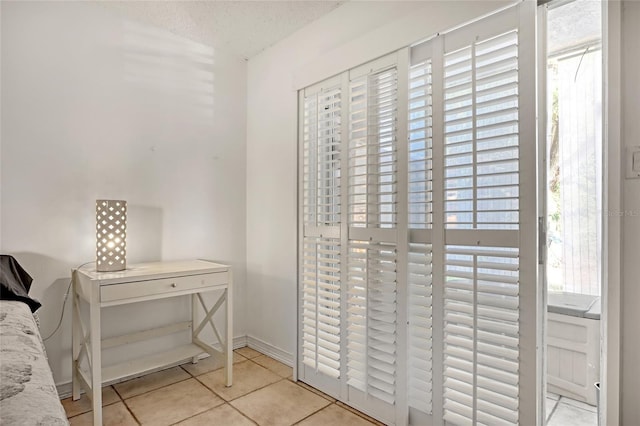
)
(147, 363)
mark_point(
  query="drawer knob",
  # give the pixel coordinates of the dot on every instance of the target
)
(173, 285)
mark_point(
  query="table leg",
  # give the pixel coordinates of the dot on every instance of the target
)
(76, 340)
(96, 357)
(229, 333)
(194, 319)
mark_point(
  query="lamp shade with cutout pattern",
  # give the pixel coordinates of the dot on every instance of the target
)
(111, 235)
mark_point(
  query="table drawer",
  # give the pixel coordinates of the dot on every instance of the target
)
(160, 287)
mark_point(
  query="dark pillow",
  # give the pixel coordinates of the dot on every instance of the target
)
(15, 282)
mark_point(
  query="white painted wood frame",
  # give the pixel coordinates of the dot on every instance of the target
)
(140, 283)
(612, 204)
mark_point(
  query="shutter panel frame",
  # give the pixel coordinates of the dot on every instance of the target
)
(482, 319)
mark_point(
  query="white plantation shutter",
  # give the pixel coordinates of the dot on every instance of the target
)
(372, 323)
(373, 150)
(417, 249)
(488, 263)
(481, 134)
(372, 319)
(320, 250)
(481, 332)
(481, 192)
(420, 326)
(480, 161)
(321, 305)
(321, 150)
(420, 211)
(420, 146)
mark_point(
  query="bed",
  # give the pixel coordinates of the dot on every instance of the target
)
(28, 394)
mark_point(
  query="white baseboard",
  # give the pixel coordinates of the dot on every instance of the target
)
(64, 389)
(270, 350)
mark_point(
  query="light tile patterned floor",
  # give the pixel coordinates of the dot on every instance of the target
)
(262, 394)
(194, 394)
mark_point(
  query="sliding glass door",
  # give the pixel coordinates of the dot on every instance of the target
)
(418, 229)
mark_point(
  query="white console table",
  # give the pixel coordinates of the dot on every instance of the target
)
(140, 283)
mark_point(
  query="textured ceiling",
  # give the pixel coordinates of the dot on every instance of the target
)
(244, 28)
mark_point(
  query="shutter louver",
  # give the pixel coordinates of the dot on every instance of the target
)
(481, 135)
(372, 281)
(373, 151)
(322, 158)
(420, 218)
(497, 132)
(321, 305)
(481, 283)
(420, 327)
(458, 339)
(358, 154)
(372, 319)
(310, 159)
(420, 146)
(497, 348)
(320, 285)
(459, 139)
(329, 110)
(481, 334)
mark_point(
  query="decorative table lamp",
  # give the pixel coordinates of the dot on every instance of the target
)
(111, 233)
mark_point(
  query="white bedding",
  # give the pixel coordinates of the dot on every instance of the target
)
(28, 394)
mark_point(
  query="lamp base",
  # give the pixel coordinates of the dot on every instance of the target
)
(105, 267)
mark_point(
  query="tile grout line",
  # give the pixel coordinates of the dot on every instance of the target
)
(197, 414)
(155, 389)
(126, 406)
(135, 418)
(171, 384)
(263, 387)
(337, 402)
(328, 397)
(240, 396)
(260, 388)
(315, 412)
(224, 401)
(91, 409)
(242, 414)
(191, 376)
(358, 413)
(124, 400)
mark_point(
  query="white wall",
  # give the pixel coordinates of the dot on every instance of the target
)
(95, 106)
(630, 351)
(350, 35)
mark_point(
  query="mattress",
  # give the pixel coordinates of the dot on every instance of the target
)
(28, 394)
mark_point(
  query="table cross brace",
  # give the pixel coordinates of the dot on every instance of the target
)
(208, 317)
